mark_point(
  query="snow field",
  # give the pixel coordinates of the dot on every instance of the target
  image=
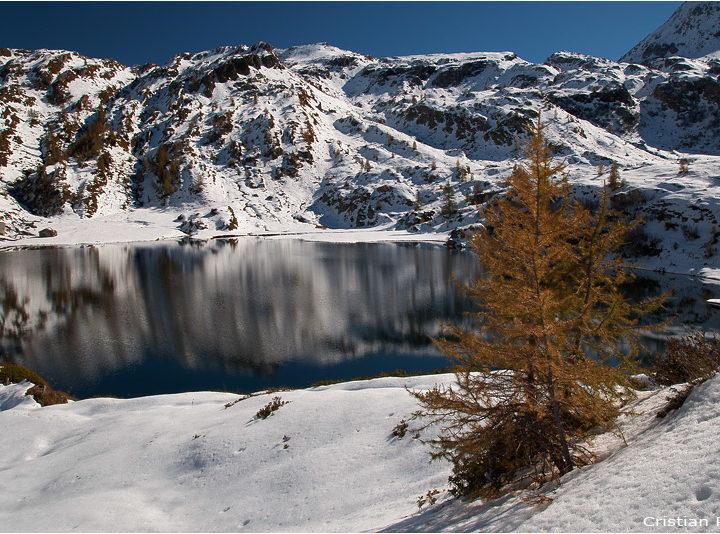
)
(327, 461)
(186, 463)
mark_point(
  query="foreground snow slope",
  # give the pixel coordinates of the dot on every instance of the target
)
(186, 463)
(672, 471)
(664, 481)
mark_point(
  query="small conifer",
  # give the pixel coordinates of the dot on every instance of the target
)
(52, 152)
(614, 181)
(684, 166)
(449, 207)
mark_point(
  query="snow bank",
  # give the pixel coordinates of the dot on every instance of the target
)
(667, 480)
(326, 461)
(138, 226)
(13, 396)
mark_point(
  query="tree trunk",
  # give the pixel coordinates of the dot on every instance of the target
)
(567, 458)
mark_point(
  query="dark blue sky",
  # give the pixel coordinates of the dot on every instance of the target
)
(139, 32)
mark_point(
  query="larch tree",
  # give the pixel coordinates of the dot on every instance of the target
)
(449, 207)
(541, 367)
(615, 182)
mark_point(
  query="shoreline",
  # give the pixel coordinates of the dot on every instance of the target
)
(150, 227)
(169, 236)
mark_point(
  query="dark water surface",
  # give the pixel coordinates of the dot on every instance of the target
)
(245, 315)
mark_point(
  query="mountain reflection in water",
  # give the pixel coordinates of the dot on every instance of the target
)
(166, 318)
(248, 314)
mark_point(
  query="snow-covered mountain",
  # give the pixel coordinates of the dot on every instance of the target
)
(693, 31)
(249, 138)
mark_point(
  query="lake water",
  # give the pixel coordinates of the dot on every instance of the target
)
(244, 315)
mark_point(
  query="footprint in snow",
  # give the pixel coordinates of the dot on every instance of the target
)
(703, 493)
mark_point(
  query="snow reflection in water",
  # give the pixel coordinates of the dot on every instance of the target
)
(245, 315)
(238, 315)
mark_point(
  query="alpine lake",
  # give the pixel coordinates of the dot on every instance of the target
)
(249, 314)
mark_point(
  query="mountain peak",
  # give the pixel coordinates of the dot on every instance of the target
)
(692, 31)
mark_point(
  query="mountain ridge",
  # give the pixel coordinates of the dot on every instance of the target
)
(692, 31)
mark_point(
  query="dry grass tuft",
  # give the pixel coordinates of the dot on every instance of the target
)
(43, 394)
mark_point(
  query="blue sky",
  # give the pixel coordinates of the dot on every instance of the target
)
(140, 32)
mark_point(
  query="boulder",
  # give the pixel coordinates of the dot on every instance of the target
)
(47, 232)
